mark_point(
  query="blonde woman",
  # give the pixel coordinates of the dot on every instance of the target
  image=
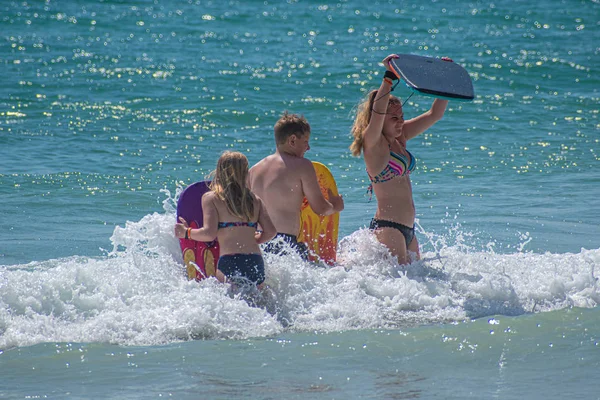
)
(232, 214)
(381, 134)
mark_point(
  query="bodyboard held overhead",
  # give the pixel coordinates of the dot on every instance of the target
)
(434, 76)
(199, 258)
(320, 233)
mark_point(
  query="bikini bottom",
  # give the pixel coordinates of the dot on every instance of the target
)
(409, 233)
(242, 268)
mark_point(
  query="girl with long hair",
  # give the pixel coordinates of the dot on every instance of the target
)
(232, 214)
(381, 133)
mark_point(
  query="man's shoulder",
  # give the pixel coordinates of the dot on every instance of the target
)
(264, 161)
(303, 164)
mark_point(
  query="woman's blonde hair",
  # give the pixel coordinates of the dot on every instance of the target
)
(229, 184)
(363, 117)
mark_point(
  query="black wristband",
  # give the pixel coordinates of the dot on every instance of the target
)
(389, 74)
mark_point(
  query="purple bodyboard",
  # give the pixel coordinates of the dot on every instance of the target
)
(189, 205)
(199, 258)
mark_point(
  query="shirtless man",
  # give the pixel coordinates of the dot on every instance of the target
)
(284, 178)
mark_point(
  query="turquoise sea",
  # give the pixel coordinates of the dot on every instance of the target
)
(108, 109)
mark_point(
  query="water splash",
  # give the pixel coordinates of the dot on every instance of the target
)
(138, 294)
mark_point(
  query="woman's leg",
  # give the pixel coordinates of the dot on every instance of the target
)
(220, 276)
(394, 240)
(414, 248)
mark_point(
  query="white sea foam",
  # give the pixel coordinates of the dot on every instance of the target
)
(138, 294)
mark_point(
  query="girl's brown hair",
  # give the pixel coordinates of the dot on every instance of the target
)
(229, 184)
(363, 117)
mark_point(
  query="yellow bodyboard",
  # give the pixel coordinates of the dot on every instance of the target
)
(320, 233)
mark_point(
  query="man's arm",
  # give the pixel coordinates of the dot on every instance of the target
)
(268, 229)
(312, 191)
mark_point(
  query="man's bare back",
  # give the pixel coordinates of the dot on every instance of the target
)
(283, 179)
(277, 180)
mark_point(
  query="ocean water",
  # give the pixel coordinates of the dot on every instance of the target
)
(109, 108)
